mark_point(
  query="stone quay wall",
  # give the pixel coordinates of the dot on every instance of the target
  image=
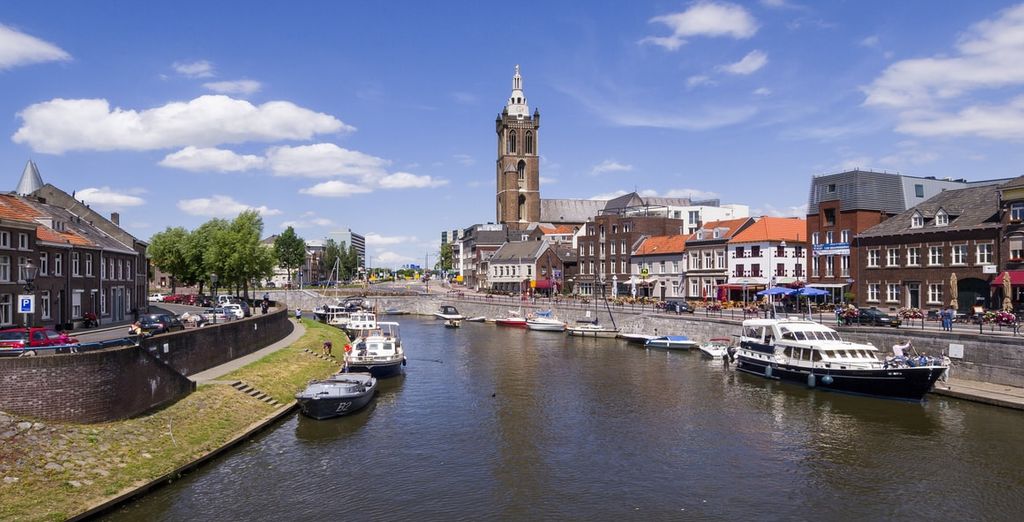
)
(987, 358)
(116, 383)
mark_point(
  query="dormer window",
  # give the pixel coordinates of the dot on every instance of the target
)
(717, 233)
(941, 219)
(700, 235)
(917, 220)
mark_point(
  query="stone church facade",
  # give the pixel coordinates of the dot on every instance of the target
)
(518, 164)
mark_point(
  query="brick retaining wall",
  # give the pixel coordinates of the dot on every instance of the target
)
(117, 383)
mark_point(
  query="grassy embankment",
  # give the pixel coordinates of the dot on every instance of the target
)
(51, 472)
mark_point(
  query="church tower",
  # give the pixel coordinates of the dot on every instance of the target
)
(518, 165)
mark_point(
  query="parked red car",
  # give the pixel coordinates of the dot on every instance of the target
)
(174, 298)
(26, 341)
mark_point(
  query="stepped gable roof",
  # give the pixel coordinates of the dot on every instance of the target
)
(659, 245)
(729, 226)
(30, 180)
(973, 208)
(558, 211)
(517, 250)
(770, 228)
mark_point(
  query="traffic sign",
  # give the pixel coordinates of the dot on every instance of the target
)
(27, 304)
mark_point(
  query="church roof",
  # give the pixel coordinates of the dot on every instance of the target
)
(562, 211)
(30, 180)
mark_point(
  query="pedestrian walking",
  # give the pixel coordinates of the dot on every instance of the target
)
(298, 314)
(328, 348)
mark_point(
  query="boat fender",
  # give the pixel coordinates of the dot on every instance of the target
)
(810, 380)
(768, 372)
(826, 379)
(403, 361)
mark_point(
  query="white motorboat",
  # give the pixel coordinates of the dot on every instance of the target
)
(514, 319)
(636, 338)
(448, 312)
(545, 321)
(804, 351)
(671, 342)
(378, 351)
(360, 323)
(591, 330)
(477, 319)
(716, 348)
(334, 315)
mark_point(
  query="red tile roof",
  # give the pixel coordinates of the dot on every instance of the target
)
(773, 229)
(14, 208)
(674, 244)
(731, 225)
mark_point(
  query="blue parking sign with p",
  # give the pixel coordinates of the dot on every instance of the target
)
(26, 304)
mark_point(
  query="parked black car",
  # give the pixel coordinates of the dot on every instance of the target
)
(678, 307)
(153, 324)
(876, 317)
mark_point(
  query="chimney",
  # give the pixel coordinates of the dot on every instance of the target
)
(115, 218)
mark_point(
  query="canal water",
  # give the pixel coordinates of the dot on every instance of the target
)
(502, 423)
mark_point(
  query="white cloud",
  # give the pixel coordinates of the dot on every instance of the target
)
(307, 222)
(610, 166)
(243, 87)
(221, 206)
(17, 48)
(388, 258)
(547, 181)
(704, 19)
(698, 80)
(401, 180)
(928, 93)
(321, 160)
(870, 41)
(464, 159)
(909, 153)
(197, 69)
(106, 197)
(60, 125)
(335, 189)
(375, 239)
(694, 194)
(710, 118)
(763, 91)
(749, 64)
(778, 4)
(859, 162)
(197, 159)
(773, 211)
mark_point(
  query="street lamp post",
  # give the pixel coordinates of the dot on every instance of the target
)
(213, 285)
(30, 277)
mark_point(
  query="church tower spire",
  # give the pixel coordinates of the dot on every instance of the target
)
(518, 164)
(30, 180)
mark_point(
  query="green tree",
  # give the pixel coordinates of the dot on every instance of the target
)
(235, 253)
(332, 253)
(200, 242)
(167, 251)
(290, 251)
(352, 261)
(445, 259)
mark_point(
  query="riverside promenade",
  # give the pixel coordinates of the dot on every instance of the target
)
(1000, 345)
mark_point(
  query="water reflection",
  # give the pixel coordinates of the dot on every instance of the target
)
(503, 423)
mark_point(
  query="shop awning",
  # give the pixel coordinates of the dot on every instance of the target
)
(544, 284)
(1016, 278)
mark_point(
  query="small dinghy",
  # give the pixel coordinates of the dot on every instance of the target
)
(338, 395)
(452, 323)
(716, 348)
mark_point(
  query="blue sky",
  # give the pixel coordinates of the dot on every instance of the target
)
(379, 116)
